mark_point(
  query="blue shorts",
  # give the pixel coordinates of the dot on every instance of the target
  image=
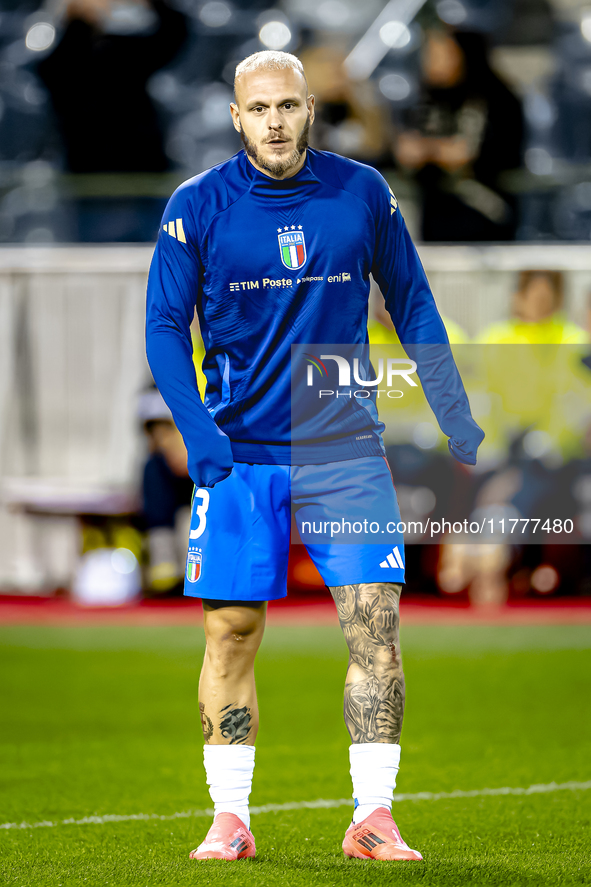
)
(346, 513)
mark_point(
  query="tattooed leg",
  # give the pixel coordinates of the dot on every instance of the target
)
(227, 692)
(374, 688)
(206, 723)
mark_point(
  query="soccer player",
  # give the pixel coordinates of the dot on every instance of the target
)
(274, 249)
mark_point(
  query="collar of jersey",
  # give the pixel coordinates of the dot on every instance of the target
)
(264, 185)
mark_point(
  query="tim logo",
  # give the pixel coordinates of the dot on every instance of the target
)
(292, 247)
(193, 566)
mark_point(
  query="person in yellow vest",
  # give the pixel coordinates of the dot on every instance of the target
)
(402, 416)
(538, 316)
(198, 355)
(529, 385)
(380, 329)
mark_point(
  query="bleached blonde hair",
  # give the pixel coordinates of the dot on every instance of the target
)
(269, 60)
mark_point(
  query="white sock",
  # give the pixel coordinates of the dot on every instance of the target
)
(374, 766)
(229, 770)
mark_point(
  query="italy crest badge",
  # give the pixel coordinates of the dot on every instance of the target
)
(292, 247)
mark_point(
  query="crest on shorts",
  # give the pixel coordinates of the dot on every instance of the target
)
(194, 559)
(292, 247)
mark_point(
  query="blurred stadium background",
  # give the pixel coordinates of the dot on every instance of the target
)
(478, 112)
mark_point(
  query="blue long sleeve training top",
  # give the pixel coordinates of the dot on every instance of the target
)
(274, 263)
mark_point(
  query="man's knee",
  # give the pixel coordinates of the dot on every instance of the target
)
(233, 632)
(372, 607)
(369, 618)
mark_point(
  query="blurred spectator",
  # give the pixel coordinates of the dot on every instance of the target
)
(349, 118)
(167, 491)
(198, 355)
(478, 567)
(167, 487)
(465, 130)
(537, 395)
(381, 330)
(538, 316)
(538, 387)
(97, 79)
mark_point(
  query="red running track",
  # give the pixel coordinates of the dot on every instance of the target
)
(17, 610)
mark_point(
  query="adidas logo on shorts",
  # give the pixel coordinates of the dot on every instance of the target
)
(393, 560)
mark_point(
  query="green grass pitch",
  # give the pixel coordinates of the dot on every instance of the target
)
(103, 720)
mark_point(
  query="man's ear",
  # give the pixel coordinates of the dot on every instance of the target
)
(235, 116)
(311, 104)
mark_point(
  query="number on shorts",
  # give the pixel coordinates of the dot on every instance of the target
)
(200, 511)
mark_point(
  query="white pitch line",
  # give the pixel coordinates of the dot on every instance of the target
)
(320, 804)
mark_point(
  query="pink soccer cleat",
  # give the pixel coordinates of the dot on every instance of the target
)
(228, 838)
(377, 837)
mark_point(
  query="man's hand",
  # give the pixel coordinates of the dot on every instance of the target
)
(452, 153)
(464, 448)
(214, 462)
(412, 150)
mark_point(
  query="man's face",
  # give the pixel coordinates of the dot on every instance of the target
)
(538, 300)
(442, 60)
(273, 114)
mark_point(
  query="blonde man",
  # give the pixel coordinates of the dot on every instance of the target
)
(275, 248)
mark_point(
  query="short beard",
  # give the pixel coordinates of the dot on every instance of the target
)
(280, 167)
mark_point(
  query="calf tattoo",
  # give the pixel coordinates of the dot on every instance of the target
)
(374, 688)
(206, 724)
(235, 724)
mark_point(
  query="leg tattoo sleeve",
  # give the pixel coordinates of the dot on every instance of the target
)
(374, 689)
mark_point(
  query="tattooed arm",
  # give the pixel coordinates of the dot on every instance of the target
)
(374, 688)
